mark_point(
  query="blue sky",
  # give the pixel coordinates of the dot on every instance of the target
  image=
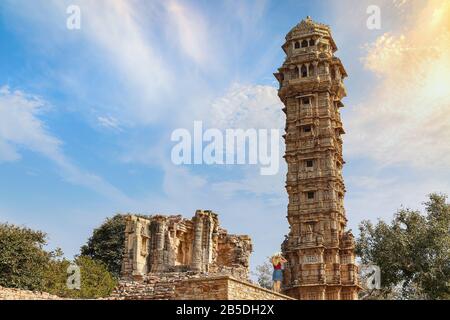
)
(86, 115)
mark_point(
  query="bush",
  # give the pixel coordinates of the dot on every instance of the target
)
(22, 258)
(413, 251)
(96, 280)
(264, 275)
(24, 264)
(107, 243)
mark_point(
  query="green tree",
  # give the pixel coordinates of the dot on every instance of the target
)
(413, 251)
(24, 264)
(264, 275)
(96, 281)
(106, 243)
(22, 257)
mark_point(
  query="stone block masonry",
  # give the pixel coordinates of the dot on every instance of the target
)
(182, 286)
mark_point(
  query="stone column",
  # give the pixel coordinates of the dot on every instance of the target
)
(157, 246)
(197, 248)
(209, 242)
(136, 248)
(316, 70)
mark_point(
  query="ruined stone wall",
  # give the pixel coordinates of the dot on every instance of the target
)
(233, 255)
(224, 288)
(19, 294)
(169, 286)
(239, 290)
(160, 243)
(185, 286)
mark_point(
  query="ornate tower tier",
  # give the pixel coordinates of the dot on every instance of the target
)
(320, 253)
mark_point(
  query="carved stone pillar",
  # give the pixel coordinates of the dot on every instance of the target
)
(197, 249)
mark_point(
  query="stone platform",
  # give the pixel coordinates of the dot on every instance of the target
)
(182, 286)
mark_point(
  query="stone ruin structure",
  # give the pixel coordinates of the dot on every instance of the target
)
(173, 258)
(164, 244)
(320, 252)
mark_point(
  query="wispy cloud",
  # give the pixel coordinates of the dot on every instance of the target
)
(247, 106)
(116, 30)
(406, 119)
(190, 29)
(21, 127)
(109, 122)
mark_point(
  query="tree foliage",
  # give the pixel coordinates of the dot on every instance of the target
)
(96, 281)
(25, 264)
(264, 275)
(413, 251)
(22, 258)
(106, 243)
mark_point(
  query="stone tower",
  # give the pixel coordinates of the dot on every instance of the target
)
(320, 253)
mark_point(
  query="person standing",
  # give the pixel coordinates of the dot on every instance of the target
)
(277, 261)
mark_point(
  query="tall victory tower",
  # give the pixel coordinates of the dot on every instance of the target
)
(320, 253)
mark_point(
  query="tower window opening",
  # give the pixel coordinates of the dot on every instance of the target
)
(311, 42)
(304, 43)
(307, 129)
(311, 69)
(304, 71)
(310, 195)
(295, 73)
(297, 45)
(309, 163)
(305, 101)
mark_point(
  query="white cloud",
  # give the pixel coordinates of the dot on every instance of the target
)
(191, 31)
(247, 106)
(21, 127)
(153, 51)
(250, 17)
(400, 3)
(241, 107)
(109, 122)
(406, 119)
(370, 182)
(270, 188)
(396, 145)
(368, 200)
(147, 45)
(116, 30)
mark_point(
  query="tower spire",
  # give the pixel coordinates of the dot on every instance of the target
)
(320, 253)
